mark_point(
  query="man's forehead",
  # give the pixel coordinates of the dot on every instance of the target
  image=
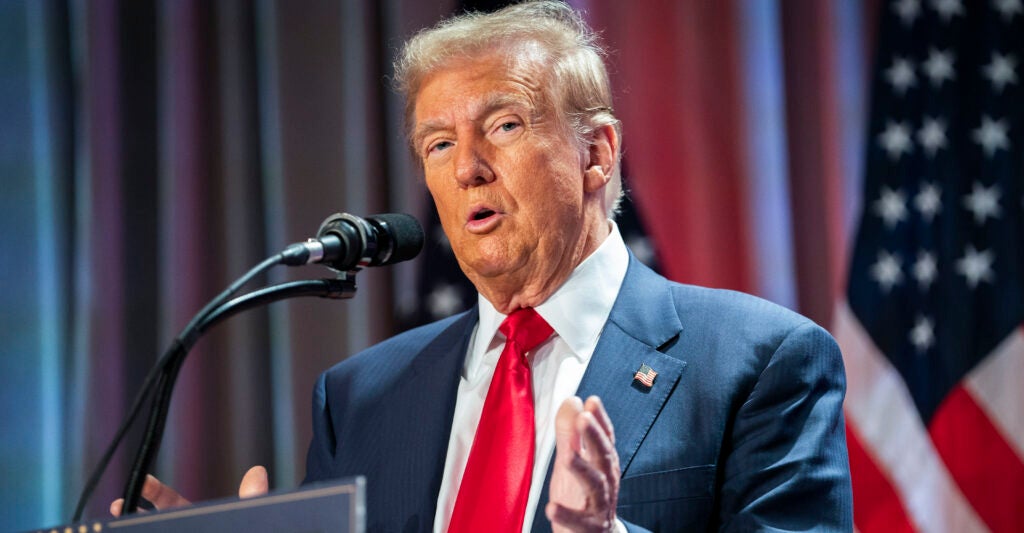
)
(478, 105)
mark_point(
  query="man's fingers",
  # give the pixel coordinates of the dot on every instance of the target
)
(593, 481)
(596, 408)
(116, 506)
(585, 481)
(600, 451)
(574, 520)
(254, 483)
(597, 471)
(161, 496)
(609, 458)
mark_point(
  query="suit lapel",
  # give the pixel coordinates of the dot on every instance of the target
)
(631, 406)
(447, 352)
(422, 405)
(642, 320)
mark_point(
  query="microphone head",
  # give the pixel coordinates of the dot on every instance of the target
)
(405, 233)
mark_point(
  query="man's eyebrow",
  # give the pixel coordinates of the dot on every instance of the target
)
(425, 128)
(491, 103)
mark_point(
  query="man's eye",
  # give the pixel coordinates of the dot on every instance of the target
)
(439, 146)
(509, 126)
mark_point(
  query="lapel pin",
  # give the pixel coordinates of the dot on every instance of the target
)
(645, 376)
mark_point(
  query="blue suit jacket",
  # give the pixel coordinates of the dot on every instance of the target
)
(742, 430)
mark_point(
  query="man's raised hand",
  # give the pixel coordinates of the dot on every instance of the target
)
(585, 478)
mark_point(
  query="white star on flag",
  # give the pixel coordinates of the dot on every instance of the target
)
(444, 301)
(891, 206)
(992, 135)
(922, 336)
(939, 67)
(896, 139)
(441, 238)
(932, 135)
(901, 75)
(1000, 71)
(1008, 8)
(908, 10)
(975, 266)
(642, 249)
(928, 201)
(983, 202)
(925, 270)
(886, 271)
(948, 8)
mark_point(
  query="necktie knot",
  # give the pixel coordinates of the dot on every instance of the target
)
(526, 329)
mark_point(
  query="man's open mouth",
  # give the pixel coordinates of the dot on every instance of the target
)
(482, 214)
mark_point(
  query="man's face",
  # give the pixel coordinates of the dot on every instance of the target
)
(506, 176)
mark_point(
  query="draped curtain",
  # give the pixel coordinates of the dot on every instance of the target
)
(153, 151)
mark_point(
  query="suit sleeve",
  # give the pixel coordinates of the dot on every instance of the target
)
(785, 466)
(322, 446)
(633, 528)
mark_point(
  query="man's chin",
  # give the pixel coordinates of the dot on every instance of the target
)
(485, 269)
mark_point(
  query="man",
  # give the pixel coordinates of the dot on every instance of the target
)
(706, 409)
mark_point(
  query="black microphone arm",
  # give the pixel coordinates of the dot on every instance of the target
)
(345, 243)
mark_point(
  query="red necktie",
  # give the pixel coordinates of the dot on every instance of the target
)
(496, 484)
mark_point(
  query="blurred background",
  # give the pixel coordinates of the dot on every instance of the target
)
(152, 151)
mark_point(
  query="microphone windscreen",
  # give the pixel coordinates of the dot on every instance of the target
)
(405, 232)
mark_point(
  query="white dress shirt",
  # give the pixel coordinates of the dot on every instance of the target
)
(577, 312)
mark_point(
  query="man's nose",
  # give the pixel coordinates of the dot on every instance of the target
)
(472, 167)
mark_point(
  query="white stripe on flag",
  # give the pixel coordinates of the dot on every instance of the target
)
(995, 386)
(880, 407)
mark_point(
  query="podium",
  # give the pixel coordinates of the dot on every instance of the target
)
(336, 507)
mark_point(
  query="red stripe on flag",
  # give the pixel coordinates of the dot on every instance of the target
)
(877, 506)
(987, 470)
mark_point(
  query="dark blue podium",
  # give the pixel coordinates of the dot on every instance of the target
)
(337, 507)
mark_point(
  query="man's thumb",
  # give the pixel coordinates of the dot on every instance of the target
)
(567, 439)
(254, 483)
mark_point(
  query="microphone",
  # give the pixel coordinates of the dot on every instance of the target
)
(346, 242)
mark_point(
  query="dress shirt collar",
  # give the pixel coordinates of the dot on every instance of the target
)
(576, 311)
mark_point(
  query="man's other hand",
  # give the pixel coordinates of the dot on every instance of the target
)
(585, 479)
(254, 483)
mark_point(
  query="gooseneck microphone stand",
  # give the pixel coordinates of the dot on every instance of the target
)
(153, 434)
(377, 240)
(159, 383)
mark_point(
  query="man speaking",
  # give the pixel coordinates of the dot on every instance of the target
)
(705, 409)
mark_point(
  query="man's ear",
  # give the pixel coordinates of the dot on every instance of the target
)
(601, 158)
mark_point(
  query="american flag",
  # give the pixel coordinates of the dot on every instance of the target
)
(931, 329)
(645, 375)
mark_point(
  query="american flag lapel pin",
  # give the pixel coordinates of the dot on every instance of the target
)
(645, 376)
